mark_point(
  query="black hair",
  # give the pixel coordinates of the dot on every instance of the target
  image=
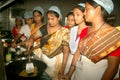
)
(55, 13)
(104, 12)
(70, 13)
(80, 7)
(20, 21)
(42, 20)
(111, 20)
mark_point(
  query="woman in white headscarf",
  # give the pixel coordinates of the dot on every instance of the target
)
(54, 45)
(25, 31)
(99, 51)
(77, 33)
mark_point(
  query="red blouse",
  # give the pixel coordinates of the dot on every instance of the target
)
(82, 34)
(15, 31)
(116, 53)
(67, 27)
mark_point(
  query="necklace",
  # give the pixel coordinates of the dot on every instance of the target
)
(86, 45)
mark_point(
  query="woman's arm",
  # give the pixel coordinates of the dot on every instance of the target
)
(72, 67)
(66, 52)
(30, 41)
(113, 64)
(74, 61)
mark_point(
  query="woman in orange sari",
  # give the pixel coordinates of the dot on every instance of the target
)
(38, 17)
(99, 51)
(54, 45)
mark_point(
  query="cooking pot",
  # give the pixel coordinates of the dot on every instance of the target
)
(17, 70)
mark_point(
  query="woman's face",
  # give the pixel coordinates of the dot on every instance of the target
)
(18, 22)
(89, 12)
(37, 17)
(52, 19)
(70, 21)
(28, 21)
(78, 15)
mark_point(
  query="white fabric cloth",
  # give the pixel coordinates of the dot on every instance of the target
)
(39, 33)
(51, 61)
(106, 4)
(73, 41)
(87, 70)
(25, 30)
(82, 4)
(50, 64)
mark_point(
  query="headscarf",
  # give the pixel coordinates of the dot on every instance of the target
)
(56, 9)
(106, 4)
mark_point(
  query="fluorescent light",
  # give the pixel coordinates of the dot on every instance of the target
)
(6, 3)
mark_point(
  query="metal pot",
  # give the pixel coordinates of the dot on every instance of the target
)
(15, 69)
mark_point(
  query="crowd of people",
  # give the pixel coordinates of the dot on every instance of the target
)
(86, 48)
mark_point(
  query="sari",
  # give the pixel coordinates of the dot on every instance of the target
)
(34, 30)
(55, 42)
(118, 27)
(52, 51)
(43, 32)
(104, 42)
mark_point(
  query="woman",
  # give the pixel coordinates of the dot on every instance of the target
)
(17, 27)
(70, 20)
(54, 45)
(100, 50)
(38, 17)
(77, 33)
(26, 29)
(20, 69)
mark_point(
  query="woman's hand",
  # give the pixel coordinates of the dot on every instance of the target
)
(29, 43)
(14, 45)
(65, 77)
(117, 79)
(61, 73)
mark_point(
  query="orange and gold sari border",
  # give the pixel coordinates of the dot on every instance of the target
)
(106, 42)
(98, 57)
(56, 42)
(58, 50)
(104, 45)
(96, 42)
